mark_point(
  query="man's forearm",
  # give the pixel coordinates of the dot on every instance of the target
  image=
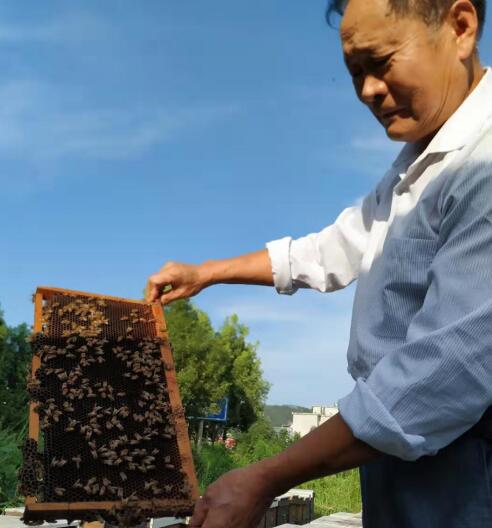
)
(329, 449)
(253, 268)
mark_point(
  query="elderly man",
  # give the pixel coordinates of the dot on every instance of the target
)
(420, 246)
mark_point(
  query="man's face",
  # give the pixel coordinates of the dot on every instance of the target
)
(406, 72)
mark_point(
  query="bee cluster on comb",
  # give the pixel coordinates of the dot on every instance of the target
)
(108, 437)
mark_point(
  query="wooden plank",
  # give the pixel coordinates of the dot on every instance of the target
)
(33, 432)
(48, 291)
(282, 511)
(341, 519)
(182, 435)
(334, 523)
(101, 505)
(344, 515)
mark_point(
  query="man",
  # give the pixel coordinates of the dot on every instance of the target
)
(420, 246)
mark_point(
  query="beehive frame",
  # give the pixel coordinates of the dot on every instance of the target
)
(49, 510)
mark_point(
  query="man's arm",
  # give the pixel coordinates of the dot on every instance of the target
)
(187, 280)
(240, 497)
(325, 261)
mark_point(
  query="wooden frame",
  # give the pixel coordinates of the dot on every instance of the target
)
(55, 510)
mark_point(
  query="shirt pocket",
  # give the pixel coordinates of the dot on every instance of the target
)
(405, 280)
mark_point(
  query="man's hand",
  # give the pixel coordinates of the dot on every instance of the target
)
(176, 281)
(238, 499)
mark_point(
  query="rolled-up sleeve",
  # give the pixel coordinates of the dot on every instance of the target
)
(324, 261)
(425, 393)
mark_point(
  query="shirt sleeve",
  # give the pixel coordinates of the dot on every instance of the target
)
(430, 390)
(324, 261)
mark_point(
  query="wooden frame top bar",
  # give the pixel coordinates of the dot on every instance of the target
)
(48, 291)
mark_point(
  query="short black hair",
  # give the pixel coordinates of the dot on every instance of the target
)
(431, 11)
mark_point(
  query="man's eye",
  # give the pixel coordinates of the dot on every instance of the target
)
(355, 72)
(380, 63)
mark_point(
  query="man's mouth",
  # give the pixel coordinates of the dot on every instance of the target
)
(389, 113)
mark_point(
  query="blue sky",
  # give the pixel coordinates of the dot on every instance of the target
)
(132, 133)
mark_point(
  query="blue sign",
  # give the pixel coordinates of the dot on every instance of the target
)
(221, 416)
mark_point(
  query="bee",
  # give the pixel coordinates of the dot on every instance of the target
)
(77, 459)
(123, 476)
(60, 491)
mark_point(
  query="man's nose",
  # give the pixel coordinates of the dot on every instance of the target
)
(371, 88)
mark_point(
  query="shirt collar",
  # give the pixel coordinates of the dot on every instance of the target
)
(459, 128)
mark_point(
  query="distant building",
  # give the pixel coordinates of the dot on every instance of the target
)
(303, 423)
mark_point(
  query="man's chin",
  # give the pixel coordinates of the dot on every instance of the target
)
(397, 135)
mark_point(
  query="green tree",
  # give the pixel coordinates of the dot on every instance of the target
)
(15, 358)
(247, 390)
(196, 357)
(212, 365)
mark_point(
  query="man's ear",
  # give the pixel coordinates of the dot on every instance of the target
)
(463, 19)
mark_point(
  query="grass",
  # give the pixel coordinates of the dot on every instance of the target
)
(10, 458)
(332, 494)
(336, 493)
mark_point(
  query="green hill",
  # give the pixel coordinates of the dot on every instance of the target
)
(282, 414)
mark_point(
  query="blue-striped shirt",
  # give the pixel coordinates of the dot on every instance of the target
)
(420, 247)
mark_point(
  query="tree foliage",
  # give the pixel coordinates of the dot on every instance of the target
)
(259, 442)
(15, 357)
(212, 365)
(247, 390)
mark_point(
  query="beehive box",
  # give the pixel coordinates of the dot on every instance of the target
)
(107, 434)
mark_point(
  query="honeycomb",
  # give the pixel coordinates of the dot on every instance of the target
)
(109, 434)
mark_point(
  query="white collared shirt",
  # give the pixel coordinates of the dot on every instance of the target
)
(420, 246)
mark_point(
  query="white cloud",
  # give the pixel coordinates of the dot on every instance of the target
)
(39, 121)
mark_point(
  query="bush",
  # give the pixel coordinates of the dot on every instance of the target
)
(211, 461)
(10, 457)
(260, 441)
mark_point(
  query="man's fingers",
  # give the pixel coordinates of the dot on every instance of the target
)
(151, 292)
(156, 286)
(199, 514)
(172, 295)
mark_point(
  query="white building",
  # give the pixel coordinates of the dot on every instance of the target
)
(303, 423)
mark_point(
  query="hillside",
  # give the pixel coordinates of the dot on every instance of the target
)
(282, 414)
